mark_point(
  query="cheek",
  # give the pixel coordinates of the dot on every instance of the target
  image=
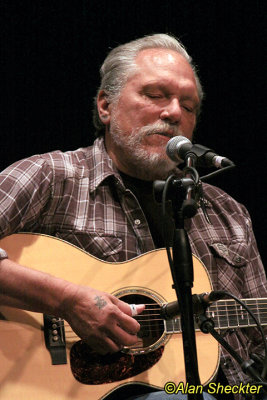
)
(190, 123)
(138, 115)
(147, 113)
(133, 112)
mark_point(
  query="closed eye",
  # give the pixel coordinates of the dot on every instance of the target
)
(154, 96)
(188, 109)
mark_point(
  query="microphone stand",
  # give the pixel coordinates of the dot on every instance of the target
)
(182, 274)
(206, 325)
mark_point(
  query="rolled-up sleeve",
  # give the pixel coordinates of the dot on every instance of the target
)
(25, 188)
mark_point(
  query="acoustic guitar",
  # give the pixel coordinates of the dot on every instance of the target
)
(41, 358)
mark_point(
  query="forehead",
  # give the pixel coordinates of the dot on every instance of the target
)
(159, 57)
(161, 64)
(163, 59)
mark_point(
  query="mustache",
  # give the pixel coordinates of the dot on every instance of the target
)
(163, 128)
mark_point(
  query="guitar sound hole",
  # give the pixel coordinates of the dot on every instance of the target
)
(91, 368)
(152, 324)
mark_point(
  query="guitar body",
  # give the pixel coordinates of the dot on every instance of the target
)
(26, 371)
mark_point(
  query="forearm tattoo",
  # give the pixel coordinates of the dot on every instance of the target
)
(100, 302)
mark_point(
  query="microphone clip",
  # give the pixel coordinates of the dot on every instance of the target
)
(201, 154)
(200, 303)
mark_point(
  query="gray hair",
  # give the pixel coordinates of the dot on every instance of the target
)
(120, 64)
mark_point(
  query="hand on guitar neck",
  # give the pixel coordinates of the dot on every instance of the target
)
(103, 321)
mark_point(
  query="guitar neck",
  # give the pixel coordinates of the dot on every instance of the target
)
(229, 314)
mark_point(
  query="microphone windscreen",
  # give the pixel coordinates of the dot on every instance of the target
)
(177, 147)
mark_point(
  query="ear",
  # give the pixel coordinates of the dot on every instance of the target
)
(103, 107)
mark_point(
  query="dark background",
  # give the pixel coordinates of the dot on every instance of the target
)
(52, 51)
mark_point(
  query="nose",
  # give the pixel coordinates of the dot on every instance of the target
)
(172, 112)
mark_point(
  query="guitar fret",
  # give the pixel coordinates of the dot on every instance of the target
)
(236, 313)
(169, 326)
(173, 325)
(242, 316)
(178, 327)
(230, 314)
(224, 323)
(257, 307)
(217, 316)
(254, 307)
(263, 312)
(213, 315)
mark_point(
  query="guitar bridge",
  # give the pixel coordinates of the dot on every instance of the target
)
(54, 334)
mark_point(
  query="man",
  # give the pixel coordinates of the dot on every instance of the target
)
(100, 198)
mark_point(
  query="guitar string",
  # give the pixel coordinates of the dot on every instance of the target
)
(220, 305)
(160, 325)
(175, 329)
(218, 313)
(71, 335)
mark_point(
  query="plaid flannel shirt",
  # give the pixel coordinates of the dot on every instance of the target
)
(79, 196)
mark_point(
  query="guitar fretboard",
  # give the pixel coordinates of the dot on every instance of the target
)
(229, 314)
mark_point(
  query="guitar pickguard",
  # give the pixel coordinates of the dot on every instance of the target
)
(91, 368)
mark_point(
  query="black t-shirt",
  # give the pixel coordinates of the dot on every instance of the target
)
(143, 190)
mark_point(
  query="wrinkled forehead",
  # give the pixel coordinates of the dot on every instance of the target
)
(161, 60)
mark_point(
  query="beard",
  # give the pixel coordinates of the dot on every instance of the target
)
(141, 161)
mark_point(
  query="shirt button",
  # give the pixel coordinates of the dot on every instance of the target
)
(238, 259)
(137, 222)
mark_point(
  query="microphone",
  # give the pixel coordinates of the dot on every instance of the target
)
(200, 303)
(179, 148)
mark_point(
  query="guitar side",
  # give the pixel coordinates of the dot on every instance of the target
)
(26, 371)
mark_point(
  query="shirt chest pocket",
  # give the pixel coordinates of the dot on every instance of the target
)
(230, 260)
(103, 246)
(234, 254)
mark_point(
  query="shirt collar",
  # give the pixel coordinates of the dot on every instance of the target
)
(101, 165)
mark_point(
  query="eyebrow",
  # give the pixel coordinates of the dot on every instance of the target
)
(153, 84)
